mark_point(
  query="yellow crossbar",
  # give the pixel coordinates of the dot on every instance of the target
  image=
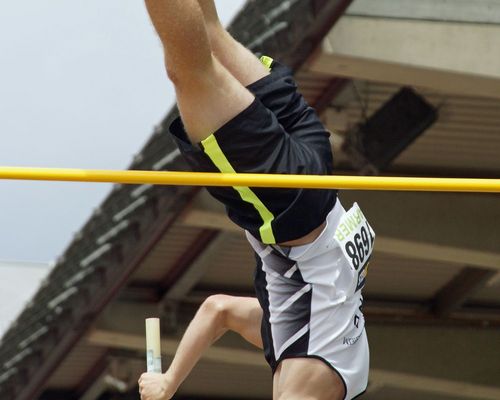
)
(253, 180)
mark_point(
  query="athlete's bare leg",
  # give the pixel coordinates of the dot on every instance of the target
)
(207, 94)
(237, 59)
(307, 379)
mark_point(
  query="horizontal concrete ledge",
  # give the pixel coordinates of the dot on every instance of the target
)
(484, 11)
(449, 57)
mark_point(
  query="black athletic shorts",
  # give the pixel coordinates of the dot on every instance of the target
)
(278, 133)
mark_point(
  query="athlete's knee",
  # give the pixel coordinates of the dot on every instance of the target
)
(187, 73)
(178, 75)
(172, 73)
(216, 305)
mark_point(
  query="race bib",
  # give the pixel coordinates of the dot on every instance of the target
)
(356, 238)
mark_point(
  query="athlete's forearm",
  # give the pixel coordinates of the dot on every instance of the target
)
(206, 327)
(181, 28)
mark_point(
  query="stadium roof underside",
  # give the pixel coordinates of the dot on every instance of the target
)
(432, 300)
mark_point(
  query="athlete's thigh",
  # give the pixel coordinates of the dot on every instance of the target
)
(209, 99)
(309, 378)
(237, 59)
(276, 381)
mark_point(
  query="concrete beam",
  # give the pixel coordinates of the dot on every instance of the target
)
(484, 11)
(194, 271)
(456, 292)
(105, 383)
(226, 355)
(379, 378)
(434, 252)
(456, 220)
(428, 226)
(450, 57)
(444, 387)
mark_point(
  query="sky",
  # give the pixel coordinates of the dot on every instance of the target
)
(82, 85)
(13, 297)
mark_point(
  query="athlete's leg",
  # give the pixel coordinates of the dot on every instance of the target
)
(308, 379)
(238, 60)
(207, 94)
(276, 381)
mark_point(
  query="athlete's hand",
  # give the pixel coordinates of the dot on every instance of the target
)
(153, 386)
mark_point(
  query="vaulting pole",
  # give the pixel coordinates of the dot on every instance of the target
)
(153, 345)
(253, 180)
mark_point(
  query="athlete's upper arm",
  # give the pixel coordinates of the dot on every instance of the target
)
(244, 316)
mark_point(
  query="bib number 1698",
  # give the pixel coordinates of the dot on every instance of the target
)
(361, 247)
(356, 237)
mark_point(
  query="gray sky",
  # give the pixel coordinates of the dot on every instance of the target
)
(18, 283)
(81, 86)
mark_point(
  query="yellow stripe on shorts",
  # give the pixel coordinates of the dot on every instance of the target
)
(213, 150)
(267, 62)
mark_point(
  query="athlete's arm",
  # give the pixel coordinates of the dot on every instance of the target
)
(217, 315)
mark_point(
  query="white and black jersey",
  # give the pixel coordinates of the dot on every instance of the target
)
(311, 297)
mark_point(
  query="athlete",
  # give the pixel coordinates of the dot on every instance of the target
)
(241, 114)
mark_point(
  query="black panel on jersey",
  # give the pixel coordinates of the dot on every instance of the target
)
(265, 329)
(293, 318)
